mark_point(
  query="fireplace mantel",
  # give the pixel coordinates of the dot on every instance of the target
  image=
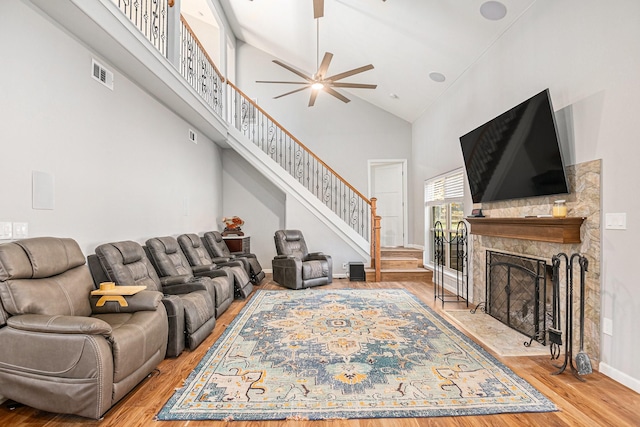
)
(554, 230)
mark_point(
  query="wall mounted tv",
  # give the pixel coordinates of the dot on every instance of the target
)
(516, 155)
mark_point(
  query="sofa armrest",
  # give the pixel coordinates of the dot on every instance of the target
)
(183, 288)
(216, 272)
(175, 280)
(142, 301)
(60, 324)
(219, 260)
(203, 268)
(316, 256)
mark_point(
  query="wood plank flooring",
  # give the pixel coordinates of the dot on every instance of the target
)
(598, 402)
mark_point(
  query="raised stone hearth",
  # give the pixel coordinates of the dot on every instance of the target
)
(583, 201)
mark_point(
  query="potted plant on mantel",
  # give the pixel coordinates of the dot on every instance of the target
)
(232, 225)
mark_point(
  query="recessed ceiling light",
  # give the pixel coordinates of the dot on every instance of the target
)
(437, 77)
(493, 10)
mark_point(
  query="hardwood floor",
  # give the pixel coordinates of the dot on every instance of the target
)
(598, 402)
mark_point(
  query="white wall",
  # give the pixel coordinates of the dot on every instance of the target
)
(262, 205)
(122, 164)
(343, 135)
(587, 54)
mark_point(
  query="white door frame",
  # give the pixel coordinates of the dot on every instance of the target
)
(405, 216)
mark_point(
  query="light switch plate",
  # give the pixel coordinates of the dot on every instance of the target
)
(616, 221)
(20, 230)
(6, 231)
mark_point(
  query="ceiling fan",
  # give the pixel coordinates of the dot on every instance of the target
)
(319, 81)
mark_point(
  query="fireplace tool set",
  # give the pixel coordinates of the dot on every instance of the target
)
(582, 364)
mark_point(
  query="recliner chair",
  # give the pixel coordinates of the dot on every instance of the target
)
(59, 351)
(171, 265)
(125, 263)
(202, 264)
(294, 267)
(217, 248)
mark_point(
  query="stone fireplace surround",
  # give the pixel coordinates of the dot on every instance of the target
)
(583, 201)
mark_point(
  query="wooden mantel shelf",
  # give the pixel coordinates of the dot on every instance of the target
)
(553, 230)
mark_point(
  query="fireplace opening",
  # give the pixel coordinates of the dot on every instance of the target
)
(516, 292)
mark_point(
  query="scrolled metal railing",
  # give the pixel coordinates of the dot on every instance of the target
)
(150, 16)
(198, 69)
(301, 163)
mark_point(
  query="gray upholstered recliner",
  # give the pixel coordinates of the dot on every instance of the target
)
(172, 266)
(296, 268)
(202, 264)
(218, 249)
(126, 263)
(59, 352)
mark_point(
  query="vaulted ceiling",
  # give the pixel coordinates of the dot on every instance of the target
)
(405, 40)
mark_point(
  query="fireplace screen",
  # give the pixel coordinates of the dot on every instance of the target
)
(516, 293)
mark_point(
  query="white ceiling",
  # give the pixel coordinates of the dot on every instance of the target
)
(405, 40)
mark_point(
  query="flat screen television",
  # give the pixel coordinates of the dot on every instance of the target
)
(516, 154)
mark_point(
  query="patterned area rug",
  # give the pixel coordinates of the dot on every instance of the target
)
(346, 354)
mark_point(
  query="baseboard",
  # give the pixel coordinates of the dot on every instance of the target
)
(267, 270)
(621, 377)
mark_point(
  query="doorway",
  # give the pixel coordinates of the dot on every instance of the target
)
(388, 183)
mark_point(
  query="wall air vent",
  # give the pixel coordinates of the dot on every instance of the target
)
(101, 74)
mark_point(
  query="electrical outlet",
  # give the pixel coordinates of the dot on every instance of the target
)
(607, 326)
(344, 265)
(6, 231)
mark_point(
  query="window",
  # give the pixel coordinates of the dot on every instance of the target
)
(443, 197)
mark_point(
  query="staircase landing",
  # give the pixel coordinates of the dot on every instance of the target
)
(401, 265)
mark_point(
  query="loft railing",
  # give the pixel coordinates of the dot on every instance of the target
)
(150, 16)
(199, 70)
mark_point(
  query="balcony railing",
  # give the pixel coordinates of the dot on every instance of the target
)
(150, 16)
(197, 68)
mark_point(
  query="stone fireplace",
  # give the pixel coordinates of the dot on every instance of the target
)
(583, 201)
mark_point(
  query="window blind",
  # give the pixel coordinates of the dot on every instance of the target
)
(447, 187)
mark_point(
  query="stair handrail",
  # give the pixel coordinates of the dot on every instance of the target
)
(290, 135)
(249, 110)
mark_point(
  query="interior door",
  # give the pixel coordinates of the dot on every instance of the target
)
(387, 186)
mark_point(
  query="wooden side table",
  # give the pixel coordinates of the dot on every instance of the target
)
(238, 244)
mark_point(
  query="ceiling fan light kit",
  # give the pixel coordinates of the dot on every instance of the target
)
(319, 82)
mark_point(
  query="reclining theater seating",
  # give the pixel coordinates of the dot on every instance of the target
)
(125, 263)
(202, 264)
(59, 352)
(217, 248)
(172, 266)
(296, 268)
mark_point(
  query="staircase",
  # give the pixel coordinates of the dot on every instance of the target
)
(401, 265)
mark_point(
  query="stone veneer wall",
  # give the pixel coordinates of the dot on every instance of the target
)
(583, 201)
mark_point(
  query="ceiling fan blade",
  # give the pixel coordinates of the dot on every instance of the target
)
(350, 73)
(337, 94)
(318, 9)
(324, 65)
(312, 98)
(287, 83)
(289, 93)
(293, 70)
(354, 85)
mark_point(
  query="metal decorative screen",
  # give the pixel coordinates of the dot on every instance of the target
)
(516, 293)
